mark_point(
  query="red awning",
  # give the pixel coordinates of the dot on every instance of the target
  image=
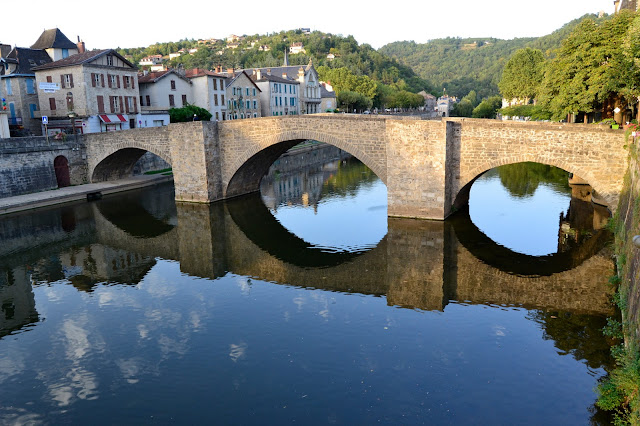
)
(113, 118)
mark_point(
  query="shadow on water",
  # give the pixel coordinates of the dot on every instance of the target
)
(507, 260)
(256, 221)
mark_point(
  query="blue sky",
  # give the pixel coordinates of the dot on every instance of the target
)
(132, 24)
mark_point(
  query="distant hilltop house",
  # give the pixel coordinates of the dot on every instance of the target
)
(296, 48)
(305, 30)
(233, 45)
(234, 38)
(150, 60)
(445, 105)
(264, 48)
(331, 56)
(174, 55)
(208, 41)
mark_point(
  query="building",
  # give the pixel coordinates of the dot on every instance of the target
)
(328, 102)
(309, 84)
(19, 83)
(627, 4)
(445, 105)
(209, 90)
(153, 62)
(57, 45)
(4, 117)
(162, 90)
(243, 96)
(94, 91)
(279, 94)
(430, 104)
(296, 48)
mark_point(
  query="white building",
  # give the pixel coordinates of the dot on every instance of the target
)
(243, 96)
(279, 94)
(162, 90)
(209, 91)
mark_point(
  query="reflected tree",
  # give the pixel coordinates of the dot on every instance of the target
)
(522, 179)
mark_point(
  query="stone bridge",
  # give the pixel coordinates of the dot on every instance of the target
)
(428, 166)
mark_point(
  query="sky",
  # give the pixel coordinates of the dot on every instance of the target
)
(137, 24)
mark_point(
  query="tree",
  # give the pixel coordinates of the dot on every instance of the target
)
(464, 108)
(188, 113)
(523, 74)
(488, 108)
(352, 100)
(590, 69)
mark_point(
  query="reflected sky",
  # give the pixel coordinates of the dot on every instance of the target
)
(527, 225)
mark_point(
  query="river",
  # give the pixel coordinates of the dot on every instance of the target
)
(306, 304)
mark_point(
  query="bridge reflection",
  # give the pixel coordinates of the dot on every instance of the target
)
(419, 264)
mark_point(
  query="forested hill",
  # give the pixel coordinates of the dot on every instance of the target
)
(268, 51)
(462, 65)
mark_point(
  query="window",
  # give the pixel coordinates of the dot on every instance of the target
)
(131, 105)
(285, 88)
(67, 81)
(49, 79)
(96, 79)
(254, 91)
(215, 84)
(148, 100)
(248, 103)
(32, 109)
(222, 88)
(184, 100)
(255, 104)
(171, 101)
(255, 115)
(52, 104)
(115, 103)
(8, 86)
(247, 91)
(112, 80)
(141, 101)
(125, 81)
(215, 99)
(31, 87)
(217, 114)
(110, 60)
(222, 99)
(65, 53)
(173, 85)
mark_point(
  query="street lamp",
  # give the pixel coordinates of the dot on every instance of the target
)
(194, 117)
(72, 116)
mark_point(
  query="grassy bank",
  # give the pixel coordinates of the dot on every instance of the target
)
(620, 392)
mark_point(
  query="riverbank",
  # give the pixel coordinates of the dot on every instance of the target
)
(78, 192)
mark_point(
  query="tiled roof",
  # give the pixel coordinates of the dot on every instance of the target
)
(81, 58)
(154, 77)
(267, 77)
(199, 72)
(27, 59)
(53, 38)
(324, 93)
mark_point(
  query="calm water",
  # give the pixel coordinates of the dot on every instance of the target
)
(306, 304)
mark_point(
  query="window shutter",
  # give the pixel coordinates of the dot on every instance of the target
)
(133, 82)
(111, 103)
(62, 81)
(102, 79)
(100, 104)
(135, 104)
(121, 104)
(126, 106)
(109, 80)
(93, 79)
(52, 104)
(118, 80)
(71, 80)
(49, 79)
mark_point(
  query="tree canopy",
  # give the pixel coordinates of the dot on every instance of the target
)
(522, 74)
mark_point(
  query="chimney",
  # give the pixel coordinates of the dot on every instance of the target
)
(258, 74)
(219, 68)
(268, 71)
(230, 70)
(81, 46)
(284, 75)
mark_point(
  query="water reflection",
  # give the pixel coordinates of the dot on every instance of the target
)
(224, 301)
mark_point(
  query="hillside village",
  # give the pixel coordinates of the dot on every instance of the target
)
(64, 87)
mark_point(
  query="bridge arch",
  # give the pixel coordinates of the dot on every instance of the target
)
(467, 180)
(112, 155)
(250, 165)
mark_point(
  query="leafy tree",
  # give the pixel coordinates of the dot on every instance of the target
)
(488, 108)
(188, 113)
(464, 108)
(589, 69)
(522, 74)
(349, 101)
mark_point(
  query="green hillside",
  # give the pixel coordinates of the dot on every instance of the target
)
(461, 65)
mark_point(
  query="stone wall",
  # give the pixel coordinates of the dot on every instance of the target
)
(26, 164)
